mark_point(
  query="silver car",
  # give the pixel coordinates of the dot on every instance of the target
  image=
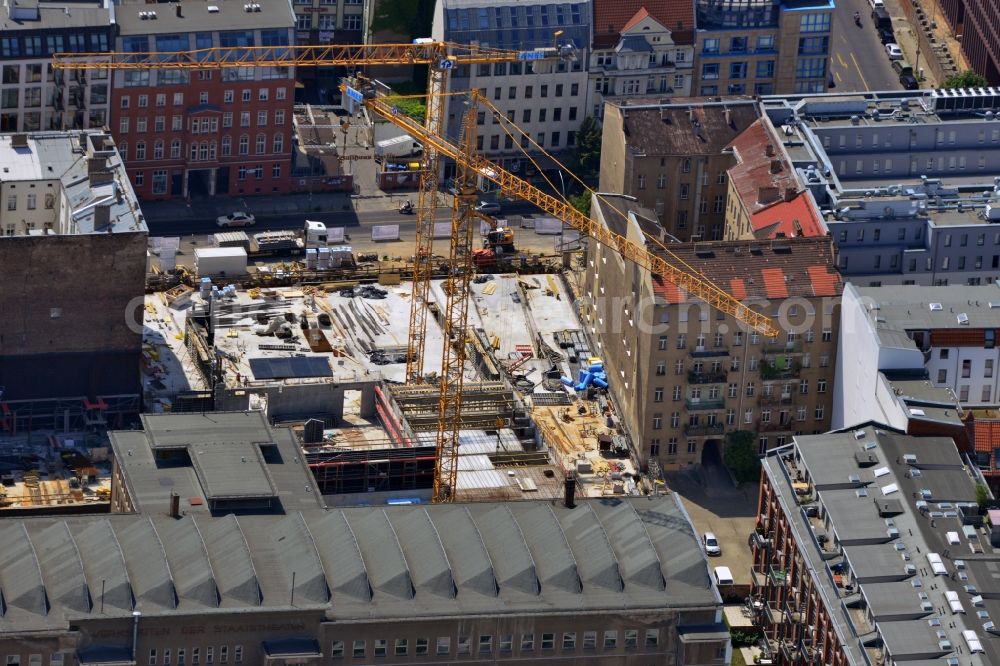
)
(712, 547)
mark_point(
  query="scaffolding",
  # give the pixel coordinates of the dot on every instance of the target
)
(71, 414)
(373, 470)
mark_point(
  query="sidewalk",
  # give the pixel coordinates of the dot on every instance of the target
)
(286, 204)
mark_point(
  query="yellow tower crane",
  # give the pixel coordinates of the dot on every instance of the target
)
(470, 168)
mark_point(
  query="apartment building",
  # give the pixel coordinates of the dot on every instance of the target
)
(685, 374)
(765, 199)
(672, 158)
(548, 100)
(907, 180)
(203, 565)
(640, 48)
(328, 21)
(946, 334)
(73, 253)
(33, 96)
(200, 133)
(978, 23)
(762, 47)
(868, 549)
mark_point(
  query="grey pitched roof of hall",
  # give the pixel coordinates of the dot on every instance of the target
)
(390, 562)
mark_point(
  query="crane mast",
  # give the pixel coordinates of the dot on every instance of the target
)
(441, 57)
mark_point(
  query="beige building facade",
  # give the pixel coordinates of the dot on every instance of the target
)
(671, 157)
(685, 374)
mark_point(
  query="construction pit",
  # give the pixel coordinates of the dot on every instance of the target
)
(330, 360)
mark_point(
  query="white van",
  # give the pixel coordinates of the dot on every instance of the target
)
(876, 3)
(723, 576)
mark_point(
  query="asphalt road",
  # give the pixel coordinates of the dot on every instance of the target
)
(360, 221)
(858, 60)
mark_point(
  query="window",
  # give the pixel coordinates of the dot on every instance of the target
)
(179, 101)
(244, 145)
(751, 388)
(814, 23)
(279, 117)
(140, 150)
(181, 655)
(337, 649)
(506, 643)
(610, 640)
(195, 656)
(140, 125)
(152, 657)
(485, 644)
(381, 647)
(227, 146)
(631, 638)
(988, 369)
(569, 640)
(245, 119)
(210, 654)
(358, 651)
(402, 648)
(818, 413)
(223, 654)
(548, 641)
(278, 144)
(710, 71)
(527, 642)
(177, 123)
(658, 394)
(820, 386)
(158, 150)
(942, 376)
(166, 657)
(652, 637)
(443, 645)
(275, 171)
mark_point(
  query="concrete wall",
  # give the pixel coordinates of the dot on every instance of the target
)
(64, 305)
(292, 401)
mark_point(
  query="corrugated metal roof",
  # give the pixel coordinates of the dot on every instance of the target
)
(20, 574)
(435, 560)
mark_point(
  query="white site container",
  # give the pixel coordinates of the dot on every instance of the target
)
(228, 261)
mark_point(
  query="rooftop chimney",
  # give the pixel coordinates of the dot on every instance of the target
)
(790, 193)
(767, 195)
(769, 151)
(775, 166)
(570, 491)
(175, 505)
(102, 216)
(19, 141)
(177, 8)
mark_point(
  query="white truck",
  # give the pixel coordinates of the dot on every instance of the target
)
(396, 147)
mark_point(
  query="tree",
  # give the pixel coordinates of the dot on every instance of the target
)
(586, 160)
(739, 456)
(982, 495)
(581, 202)
(967, 79)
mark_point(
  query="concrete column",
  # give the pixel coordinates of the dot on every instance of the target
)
(367, 406)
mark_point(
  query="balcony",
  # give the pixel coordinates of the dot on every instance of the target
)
(705, 352)
(778, 577)
(704, 429)
(708, 377)
(775, 426)
(778, 369)
(784, 347)
(776, 399)
(694, 404)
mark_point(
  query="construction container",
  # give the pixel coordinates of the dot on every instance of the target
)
(227, 261)
(231, 239)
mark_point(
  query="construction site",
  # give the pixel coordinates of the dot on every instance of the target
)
(490, 389)
(331, 360)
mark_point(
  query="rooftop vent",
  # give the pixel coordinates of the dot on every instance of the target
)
(859, 434)
(935, 307)
(213, 9)
(963, 319)
(910, 458)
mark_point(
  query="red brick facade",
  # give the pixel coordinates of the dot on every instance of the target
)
(206, 137)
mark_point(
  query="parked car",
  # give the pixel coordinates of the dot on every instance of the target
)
(886, 36)
(723, 576)
(893, 51)
(488, 208)
(236, 219)
(877, 3)
(712, 547)
(909, 81)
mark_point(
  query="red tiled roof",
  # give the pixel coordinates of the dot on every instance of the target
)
(758, 173)
(738, 289)
(824, 280)
(639, 15)
(987, 433)
(757, 269)
(611, 17)
(797, 217)
(774, 282)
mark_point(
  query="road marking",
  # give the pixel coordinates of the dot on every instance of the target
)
(843, 63)
(863, 81)
(839, 77)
